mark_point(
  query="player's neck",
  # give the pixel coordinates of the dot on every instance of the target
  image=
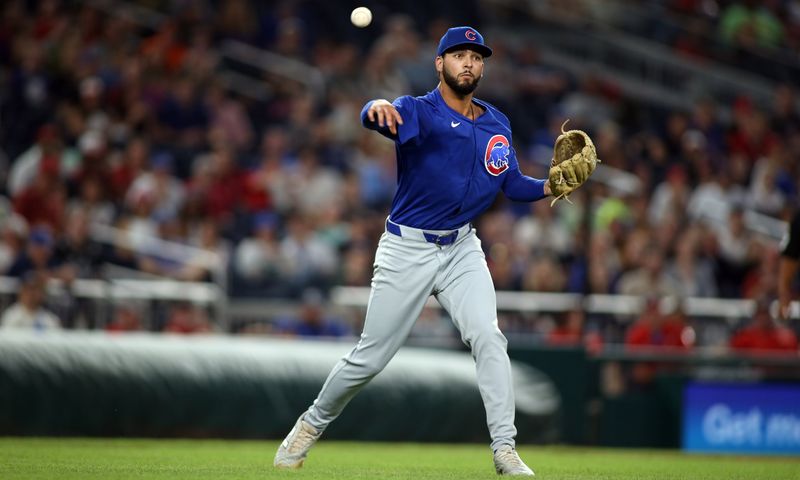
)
(462, 105)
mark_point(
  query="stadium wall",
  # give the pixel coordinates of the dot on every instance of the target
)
(96, 384)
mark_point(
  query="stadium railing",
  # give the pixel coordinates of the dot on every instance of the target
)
(535, 302)
(103, 295)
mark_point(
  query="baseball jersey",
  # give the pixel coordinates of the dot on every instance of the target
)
(450, 168)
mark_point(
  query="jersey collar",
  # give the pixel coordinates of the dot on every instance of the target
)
(441, 101)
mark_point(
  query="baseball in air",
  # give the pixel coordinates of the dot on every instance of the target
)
(361, 17)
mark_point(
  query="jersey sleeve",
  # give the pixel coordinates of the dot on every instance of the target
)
(790, 245)
(519, 187)
(407, 108)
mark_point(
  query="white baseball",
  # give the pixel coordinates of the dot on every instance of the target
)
(361, 17)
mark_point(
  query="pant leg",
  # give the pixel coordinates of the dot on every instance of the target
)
(466, 291)
(401, 284)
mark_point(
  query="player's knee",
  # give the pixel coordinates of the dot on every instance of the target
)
(367, 370)
(373, 369)
(486, 336)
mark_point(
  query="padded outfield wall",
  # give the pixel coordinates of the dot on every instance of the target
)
(97, 384)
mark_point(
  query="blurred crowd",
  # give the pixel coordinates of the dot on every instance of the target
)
(762, 36)
(109, 123)
(746, 27)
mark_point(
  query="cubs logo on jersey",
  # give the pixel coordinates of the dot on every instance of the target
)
(496, 158)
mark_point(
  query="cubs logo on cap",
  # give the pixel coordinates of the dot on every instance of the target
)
(464, 37)
(496, 157)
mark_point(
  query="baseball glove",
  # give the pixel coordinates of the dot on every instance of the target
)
(574, 159)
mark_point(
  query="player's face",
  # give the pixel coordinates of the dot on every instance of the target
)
(462, 70)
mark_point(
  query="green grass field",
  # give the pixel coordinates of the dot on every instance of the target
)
(59, 458)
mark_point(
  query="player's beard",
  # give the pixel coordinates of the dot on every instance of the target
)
(461, 88)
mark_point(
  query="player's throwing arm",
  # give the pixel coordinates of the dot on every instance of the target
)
(385, 114)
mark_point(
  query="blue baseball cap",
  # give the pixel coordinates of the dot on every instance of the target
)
(466, 37)
(265, 220)
(41, 236)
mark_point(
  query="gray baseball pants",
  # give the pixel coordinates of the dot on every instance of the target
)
(408, 270)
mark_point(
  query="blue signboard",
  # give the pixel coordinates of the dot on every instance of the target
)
(755, 419)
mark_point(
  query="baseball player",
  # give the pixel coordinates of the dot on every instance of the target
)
(454, 154)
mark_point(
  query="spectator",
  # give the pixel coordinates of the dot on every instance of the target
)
(311, 320)
(502, 268)
(37, 256)
(435, 328)
(785, 116)
(13, 232)
(570, 330)
(653, 328)
(306, 260)
(357, 267)
(761, 281)
(182, 115)
(763, 334)
(710, 199)
(30, 92)
(382, 79)
(691, 274)
(751, 137)
(187, 319)
(544, 274)
(159, 188)
(228, 117)
(93, 200)
(650, 278)
(749, 25)
(670, 196)
(375, 166)
(267, 184)
(765, 195)
(61, 162)
(314, 186)
(76, 251)
(210, 256)
(42, 203)
(126, 319)
(28, 312)
(597, 270)
(737, 251)
(226, 188)
(257, 258)
(131, 165)
(543, 231)
(93, 146)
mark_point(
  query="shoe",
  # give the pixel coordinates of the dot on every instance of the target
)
(292, 452)
(507, 462)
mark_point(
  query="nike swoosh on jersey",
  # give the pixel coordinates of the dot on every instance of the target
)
(454, 124)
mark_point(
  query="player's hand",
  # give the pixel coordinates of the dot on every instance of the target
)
(383, 112)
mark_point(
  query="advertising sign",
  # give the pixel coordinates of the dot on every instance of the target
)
(754, 418)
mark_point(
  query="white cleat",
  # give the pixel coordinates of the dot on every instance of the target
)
(507, 462)
(294, 449)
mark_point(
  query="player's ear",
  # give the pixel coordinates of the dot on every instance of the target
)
(439, 64)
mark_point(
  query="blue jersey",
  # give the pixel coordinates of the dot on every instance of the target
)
(449, 168)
